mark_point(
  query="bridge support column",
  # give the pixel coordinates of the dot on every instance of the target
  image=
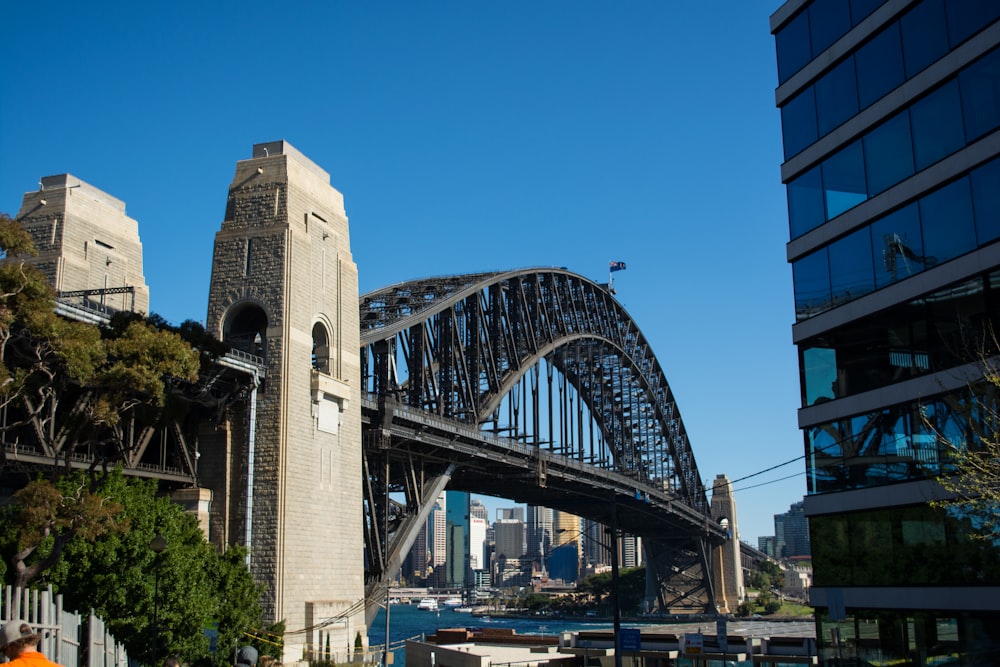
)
(727, 570)
(285, 290)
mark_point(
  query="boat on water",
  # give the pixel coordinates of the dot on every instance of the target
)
(464, 610)
(428, 604)
(452, 602)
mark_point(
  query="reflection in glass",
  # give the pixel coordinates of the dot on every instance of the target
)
(899, 248)
(924, 35)
(798, 122)
(792, 46)
(811, 276)
(879, 65)
(819, 374)
(852, 273)
(980, 83)
(805, 203)
(844, 180)
(836, 96)
(986, 202)
(946, 219)
(937, 125)
(828, 21)
(889, 153)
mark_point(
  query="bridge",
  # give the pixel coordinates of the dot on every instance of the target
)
(532, 384)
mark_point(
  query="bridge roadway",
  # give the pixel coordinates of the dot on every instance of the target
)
(495, 466)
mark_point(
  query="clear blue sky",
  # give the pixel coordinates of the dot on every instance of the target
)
(465, 136)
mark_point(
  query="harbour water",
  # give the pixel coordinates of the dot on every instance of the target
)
(408, 622)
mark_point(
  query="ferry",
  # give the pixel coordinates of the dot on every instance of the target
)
(453, 602)
(428, 604)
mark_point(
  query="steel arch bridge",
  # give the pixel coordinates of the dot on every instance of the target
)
(534, 385)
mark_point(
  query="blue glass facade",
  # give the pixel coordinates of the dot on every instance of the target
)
(890, 113)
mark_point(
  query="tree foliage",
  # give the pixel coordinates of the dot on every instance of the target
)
(116, 573)
(46, 515)
(73, 384)
(971, 470)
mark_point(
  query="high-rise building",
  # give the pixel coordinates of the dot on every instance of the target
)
(539, 532)
(791, 532)
(459, 555)
(438, 529)
(509, 538)
(890, 114)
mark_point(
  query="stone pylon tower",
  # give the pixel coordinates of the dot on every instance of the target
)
(85, 241)
(727, 567)
(285, 288)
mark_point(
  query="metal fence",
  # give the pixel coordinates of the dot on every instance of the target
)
(66, 639)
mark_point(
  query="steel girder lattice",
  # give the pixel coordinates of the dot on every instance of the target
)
(456, 346)
(463, 348)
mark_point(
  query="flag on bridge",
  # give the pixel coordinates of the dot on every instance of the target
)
(617, 266)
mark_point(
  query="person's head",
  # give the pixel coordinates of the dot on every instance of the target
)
(17, 637)
(171, 661)
(246, 657)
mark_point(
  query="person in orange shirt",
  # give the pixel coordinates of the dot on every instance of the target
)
(20, 644)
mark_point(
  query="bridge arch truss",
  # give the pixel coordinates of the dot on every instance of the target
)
(543, 358)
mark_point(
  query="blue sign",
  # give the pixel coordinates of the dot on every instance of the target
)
(630, 639)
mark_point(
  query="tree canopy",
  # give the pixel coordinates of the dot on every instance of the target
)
(114, 571)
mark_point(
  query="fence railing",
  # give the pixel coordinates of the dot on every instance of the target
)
(63, 632)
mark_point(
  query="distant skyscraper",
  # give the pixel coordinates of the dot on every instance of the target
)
(514, 513)
(439, 532)
(459, 555)
(477, 509)
(477, 543)
(631, 546)
(595, 541)
(539, 531)
(791, 532)
(509, 538)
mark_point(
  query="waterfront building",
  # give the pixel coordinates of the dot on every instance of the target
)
(791, 532)
(890, 114)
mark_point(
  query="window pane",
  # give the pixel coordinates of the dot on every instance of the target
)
(829, 20)
(792, 45)
(966, 17)
(986, 202)
(805, 203)
(819, 374)
(798, 122)
(836, 96)
(946, 221)
(889, 154)
(852, 274)
(879, 66)
(937, 125)
(811, 276)
(844, 180)
(899, 249)
(925, 38)
(980, 84)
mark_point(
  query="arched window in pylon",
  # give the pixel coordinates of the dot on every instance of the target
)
(246, 330)
(321, 348)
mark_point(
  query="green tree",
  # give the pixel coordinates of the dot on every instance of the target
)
(45, 515)
(112, 378)
(116, 575)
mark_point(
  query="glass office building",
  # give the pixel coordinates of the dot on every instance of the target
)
(890, 113)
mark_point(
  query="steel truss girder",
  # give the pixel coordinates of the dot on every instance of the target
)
(466, 341)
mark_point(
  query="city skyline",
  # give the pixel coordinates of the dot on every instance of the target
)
(463, 139)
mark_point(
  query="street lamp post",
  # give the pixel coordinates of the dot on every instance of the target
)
(615, 591)
(157, 544)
